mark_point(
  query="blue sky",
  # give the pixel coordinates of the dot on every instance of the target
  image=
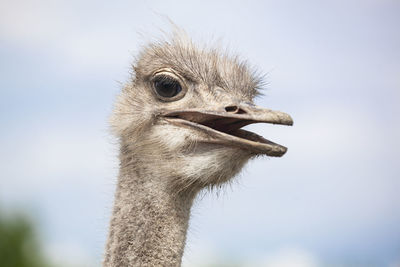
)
(333, 65)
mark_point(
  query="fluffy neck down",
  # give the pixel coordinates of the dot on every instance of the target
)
(149, 222)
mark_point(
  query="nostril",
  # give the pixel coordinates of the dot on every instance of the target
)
(234, 109)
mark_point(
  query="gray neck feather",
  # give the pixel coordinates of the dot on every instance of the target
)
(149, 222)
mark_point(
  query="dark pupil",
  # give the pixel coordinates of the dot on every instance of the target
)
(167, 87)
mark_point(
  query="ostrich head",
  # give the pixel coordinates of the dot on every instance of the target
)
(182, 112)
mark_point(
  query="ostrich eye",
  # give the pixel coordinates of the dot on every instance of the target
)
(166, 87)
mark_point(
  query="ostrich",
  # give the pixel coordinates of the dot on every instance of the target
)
(179, 123)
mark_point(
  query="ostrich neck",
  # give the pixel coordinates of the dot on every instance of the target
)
(149, 223)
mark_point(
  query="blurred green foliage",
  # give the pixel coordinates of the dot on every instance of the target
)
(19, 246)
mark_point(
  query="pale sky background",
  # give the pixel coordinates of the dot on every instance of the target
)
(334, 198)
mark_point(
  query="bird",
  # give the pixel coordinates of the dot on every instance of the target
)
(178, 121)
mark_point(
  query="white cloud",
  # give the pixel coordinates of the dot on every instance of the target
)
(199, 254)
(286, 257)
(71, 31)
(29, 21)
(69, 254)
(330, 132)
(52, 154)
(394, 264)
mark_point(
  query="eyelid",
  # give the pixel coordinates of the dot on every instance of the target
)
(163, 76)
(166, 71)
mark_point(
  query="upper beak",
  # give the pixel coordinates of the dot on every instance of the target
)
(223, 126)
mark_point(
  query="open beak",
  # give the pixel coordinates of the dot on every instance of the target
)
(224, 127)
